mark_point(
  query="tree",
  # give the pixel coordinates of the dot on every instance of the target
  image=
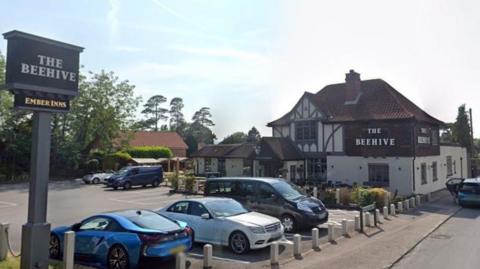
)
(461, 129)
(177, 120)
(154, 112)
(446, 133)
(196, 133)
(203, 117)
(254, 135)
(235, 138)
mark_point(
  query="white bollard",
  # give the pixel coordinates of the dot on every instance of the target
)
(196, 186)
(3, 241)
(68, 250)
(337, 196)
(344, 227)
(418, 200)
(377, 215)
(297, 239)
(180, 261)
(315, 192)
(400, 206)
(385, 212)
(357, 223)
(406, 205)
(392, 210)
(331, 232)
(367, 220)
(412, 202)
(207, 256)
(315, 238)
(274, 256)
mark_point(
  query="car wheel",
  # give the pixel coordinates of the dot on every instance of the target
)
(54, 247)
(118, 258)
(288, 223)
(239, 243)
(155, 183)
(127, 185)
(96, 180)
(115, 188)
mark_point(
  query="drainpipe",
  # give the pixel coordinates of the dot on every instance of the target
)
(414, 154)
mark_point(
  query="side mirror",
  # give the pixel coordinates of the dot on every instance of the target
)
(205, 216)
(76, 227)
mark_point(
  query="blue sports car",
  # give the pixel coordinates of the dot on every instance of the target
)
(120, 240)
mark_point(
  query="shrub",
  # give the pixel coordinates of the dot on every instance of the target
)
(172, 180)
(150, 152)
(92, 165)
(116, 160)
(362, 196)
(189, 183)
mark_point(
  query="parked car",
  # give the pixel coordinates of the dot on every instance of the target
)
(96, 178)
(271, 196)
(121, 239)
(130, 176)
(453, 185)
(224, 221)
(469, 192)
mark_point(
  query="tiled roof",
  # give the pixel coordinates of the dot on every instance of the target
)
(171, 140)
(378, 101)
(217, 151)
(280, 147)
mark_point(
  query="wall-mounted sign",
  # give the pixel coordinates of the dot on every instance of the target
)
(374, 137)
(41, 67)
(423, 140)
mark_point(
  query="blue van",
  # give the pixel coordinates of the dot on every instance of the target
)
(130, 176)
(469, 192)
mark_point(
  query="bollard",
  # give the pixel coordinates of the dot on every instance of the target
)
(331, 232)
(385, 212)
(406, 205)
(418, 200)
(412, 202)
(377, 215)
(207, 256)
(392, 210)
(357, 223)
(297, 239)
(315, 192)
(337, 196)
(400, 206)
(344, 227)
(196, 186)
(274, 253)
(315, 239)
(429, 197)
(180, 261)
(68, 250)
(3, 241)
(367, 219)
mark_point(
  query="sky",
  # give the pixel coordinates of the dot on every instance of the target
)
(251, 60)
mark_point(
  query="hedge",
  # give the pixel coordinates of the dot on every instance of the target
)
(116, 160)
(150, 152)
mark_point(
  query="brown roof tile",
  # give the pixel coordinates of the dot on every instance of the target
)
(171, 140)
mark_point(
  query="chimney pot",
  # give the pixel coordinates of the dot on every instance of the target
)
(353, 87)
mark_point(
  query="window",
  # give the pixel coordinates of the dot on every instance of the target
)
(435, 137)
(449, 166)
(246, 188)
(265, 192)
(223, 187)
(197, 209)
(423, 173)
(180, 207)
(247, 167)
(292, 173)
(454, 167)
(97, 224)
(305, 130)
(378, 175)
(152, 220)
(434, 171)
(221, 167)
(208, 165)
(315, 169)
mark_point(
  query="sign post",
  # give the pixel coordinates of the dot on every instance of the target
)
(43, 75)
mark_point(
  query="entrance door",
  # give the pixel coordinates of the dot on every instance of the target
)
(293, 173)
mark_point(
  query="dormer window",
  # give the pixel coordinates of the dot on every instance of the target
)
(305, 130)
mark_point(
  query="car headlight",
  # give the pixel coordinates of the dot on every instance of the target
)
(257, 229)
(304, 208)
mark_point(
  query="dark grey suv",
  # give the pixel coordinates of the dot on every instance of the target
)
(273, 197)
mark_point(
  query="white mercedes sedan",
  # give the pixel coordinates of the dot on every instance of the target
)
(224, 221)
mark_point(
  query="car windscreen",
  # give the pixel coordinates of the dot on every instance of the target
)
(470, 188)
(121, 172)
(225, 208)
(287, 191)
(153, 221)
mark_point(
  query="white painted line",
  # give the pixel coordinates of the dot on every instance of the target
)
(4, 204)
(218, 258)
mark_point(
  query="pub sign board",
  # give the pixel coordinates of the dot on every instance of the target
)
(42, 68)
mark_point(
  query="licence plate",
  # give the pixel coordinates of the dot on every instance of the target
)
(177, 250)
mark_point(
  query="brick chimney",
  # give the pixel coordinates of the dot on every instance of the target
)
(353, 87)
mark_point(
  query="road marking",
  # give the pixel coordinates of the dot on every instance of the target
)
(4, 204)
(137, 202)
(219, 258)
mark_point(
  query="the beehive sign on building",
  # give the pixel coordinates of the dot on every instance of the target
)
(42, 73)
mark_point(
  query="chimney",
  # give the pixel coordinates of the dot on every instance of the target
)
(353, 87)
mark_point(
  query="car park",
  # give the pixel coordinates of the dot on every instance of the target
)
(274, 197)
(96, 178)
(469, 192)
(122, 239)
(130, 176)
(224, 221)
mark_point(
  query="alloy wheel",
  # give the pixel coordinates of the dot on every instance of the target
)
(127, 185)
(239, 243)
(288, 223)
(54, 247)
(118, 258)
(155, 183)
(96, 180)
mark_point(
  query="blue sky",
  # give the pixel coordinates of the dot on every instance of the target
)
(251, 60)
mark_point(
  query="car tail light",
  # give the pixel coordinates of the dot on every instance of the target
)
(188, 231)
(150, 239)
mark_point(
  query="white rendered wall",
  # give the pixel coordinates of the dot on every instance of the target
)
(234, 167)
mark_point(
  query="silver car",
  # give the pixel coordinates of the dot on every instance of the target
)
(96, 178)
(224, 221)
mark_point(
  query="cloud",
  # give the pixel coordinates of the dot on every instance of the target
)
(224, 53)
(112, 19)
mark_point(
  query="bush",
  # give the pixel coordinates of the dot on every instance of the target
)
(92, 165)
(150, 152)
(116, 160)
(189, 183)
(362, 196)
(172, 180)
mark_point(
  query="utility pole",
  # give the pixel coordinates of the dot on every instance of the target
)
(473, 166)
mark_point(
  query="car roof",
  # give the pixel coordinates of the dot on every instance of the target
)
(261, 179)
(204, 200)
(472, 180)
(122, 217)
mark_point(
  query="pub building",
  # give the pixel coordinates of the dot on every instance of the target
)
(359, 131)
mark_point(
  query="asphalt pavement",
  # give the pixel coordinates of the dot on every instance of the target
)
(455, 244)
